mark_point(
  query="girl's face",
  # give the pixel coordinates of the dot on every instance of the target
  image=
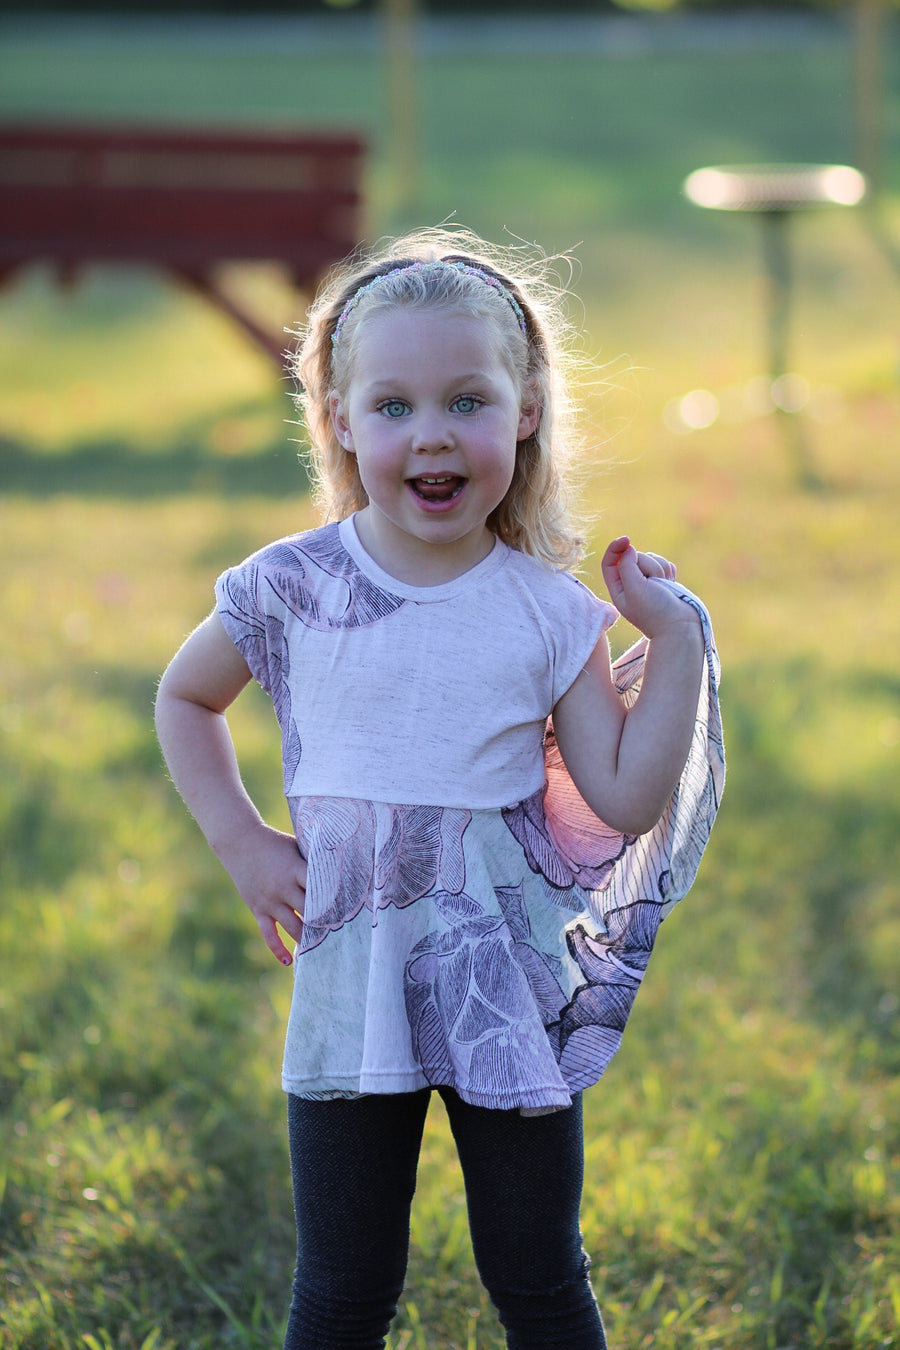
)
(433, 416)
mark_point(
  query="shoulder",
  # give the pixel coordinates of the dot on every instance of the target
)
(538, 573)
(311, 577)
(292, 558)
(570, 618)
(248, 586)
(290, 551)
(555, 591)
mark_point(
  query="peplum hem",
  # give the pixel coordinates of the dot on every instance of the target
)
(540, 1100)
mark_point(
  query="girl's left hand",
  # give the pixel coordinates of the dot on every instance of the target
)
(629, 577)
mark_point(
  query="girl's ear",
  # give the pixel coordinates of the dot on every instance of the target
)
(529, 417)
(339, 422)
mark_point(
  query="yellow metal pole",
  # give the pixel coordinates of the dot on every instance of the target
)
(398, 26)
(869, 92)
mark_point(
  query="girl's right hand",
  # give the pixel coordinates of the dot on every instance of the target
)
(270, 873)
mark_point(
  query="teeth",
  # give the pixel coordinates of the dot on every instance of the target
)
(446, 479)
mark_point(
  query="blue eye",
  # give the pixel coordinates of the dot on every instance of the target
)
(393, 407)
(467, 403)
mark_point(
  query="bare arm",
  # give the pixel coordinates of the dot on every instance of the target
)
(203, 679)
(627, 762)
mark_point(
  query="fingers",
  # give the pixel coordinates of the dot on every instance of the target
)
(270, 874)
(615, 551)
(628, 574)
(654, 565)
(281, 910)
(292, 924)
(619, 544)
(621, 552)
(612, 560)
(272, 939)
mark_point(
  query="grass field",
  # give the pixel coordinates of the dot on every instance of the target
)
(742, 1151)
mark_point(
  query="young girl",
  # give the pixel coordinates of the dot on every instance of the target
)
(489, 823)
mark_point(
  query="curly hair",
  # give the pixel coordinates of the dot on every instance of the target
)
(535, 340)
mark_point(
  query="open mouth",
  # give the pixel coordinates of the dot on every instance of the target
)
(437, 488)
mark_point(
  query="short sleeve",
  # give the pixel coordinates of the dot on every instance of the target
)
(245, 622)
(577, 621)
(253, 616)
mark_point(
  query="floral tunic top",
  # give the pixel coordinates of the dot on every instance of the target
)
(468, 921)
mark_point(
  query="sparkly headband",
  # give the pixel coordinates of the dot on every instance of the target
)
(466, 268)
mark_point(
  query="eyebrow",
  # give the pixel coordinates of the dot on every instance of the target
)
(395, 382)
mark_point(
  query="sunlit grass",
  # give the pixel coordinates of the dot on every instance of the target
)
(742, 1152)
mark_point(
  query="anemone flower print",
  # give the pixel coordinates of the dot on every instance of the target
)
(479, 998)
(589, 1032)
(364, 854)
(321, 584)
(562, 838)
(261, 641)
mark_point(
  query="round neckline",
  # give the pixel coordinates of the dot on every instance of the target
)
(350, 539)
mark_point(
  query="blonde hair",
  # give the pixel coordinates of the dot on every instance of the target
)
(526, 309)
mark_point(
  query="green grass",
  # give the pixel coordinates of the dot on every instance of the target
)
(742, 1151)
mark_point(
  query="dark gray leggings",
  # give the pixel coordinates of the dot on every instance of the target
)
(354, 1170)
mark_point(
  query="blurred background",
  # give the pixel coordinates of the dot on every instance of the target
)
(742, 418)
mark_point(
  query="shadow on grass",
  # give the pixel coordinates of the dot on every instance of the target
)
(825, 855)
(114, 470)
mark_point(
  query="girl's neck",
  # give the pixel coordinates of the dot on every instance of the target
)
(416, 562)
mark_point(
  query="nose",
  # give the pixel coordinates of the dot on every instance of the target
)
(431, 434)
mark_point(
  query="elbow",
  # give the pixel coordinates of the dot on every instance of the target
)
(631, 812)
(162, 718)
(632, 823)
(162, 703)
(159, 704)
(639, 824)
(637, 817)
(169, 709)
